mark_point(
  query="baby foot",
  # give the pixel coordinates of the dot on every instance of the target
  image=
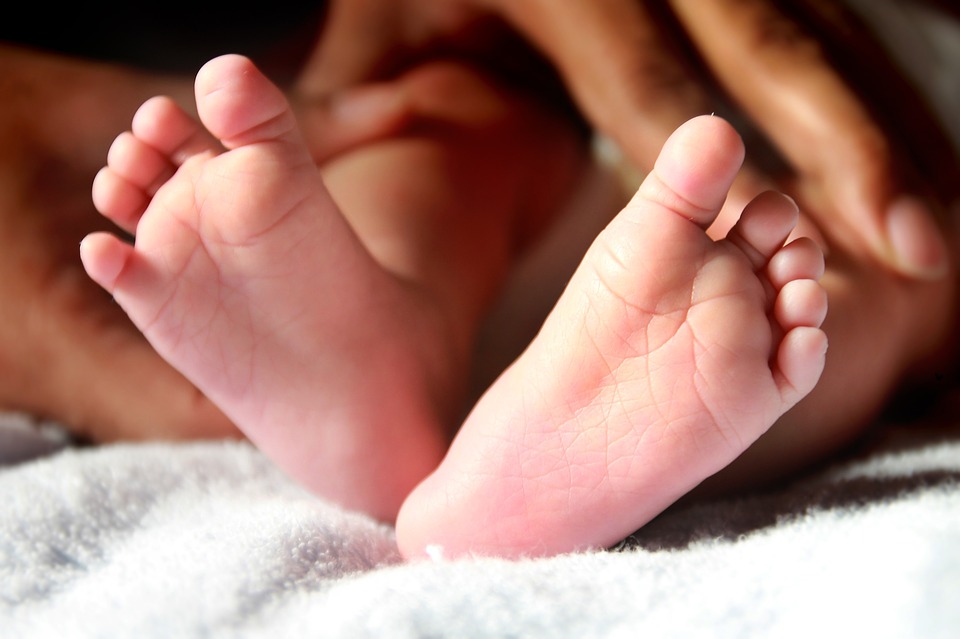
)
(665, 358)
(247, 279)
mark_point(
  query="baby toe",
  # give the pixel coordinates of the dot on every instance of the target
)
(139, 163)
(764, 226)
(801, 303)
(801, 259)
(799, 362)
(117, 199)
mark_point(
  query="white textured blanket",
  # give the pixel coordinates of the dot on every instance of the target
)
(209, 540)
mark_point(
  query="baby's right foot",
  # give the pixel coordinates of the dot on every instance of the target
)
(668, 355)
(248, 280)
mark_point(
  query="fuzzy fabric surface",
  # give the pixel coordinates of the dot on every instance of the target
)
(210, 540)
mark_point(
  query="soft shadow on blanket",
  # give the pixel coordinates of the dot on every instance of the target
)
(906, 459)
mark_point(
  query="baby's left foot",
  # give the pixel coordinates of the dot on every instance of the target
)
(665, 358)
(247, 278)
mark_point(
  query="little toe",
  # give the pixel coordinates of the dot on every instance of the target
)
(799, 362)
(763, 227)
(123, 272)
(104, 257)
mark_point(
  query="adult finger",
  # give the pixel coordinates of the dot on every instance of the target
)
(927, 157)
(620, 63)
(356, 40)
(347, 118)
(785, 81)
(631, 70)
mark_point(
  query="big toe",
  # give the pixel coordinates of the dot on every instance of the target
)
(240, 105)
(695, 169)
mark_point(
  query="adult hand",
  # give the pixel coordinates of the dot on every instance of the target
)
(637, 69)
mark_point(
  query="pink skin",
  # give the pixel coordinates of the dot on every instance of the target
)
(339, 346)
(247, 279)
(665, 358)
